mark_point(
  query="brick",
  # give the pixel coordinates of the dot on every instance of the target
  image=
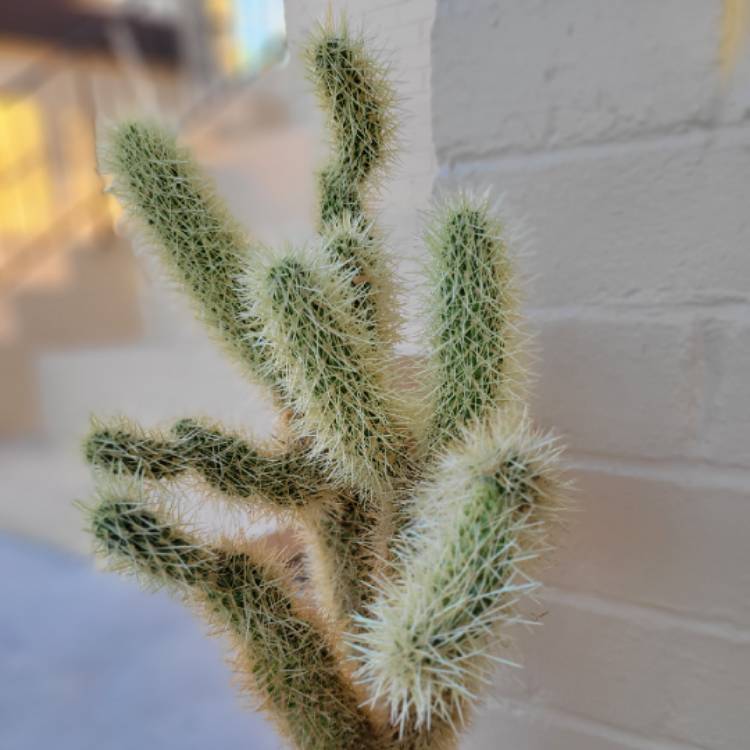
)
(662, 223)
(535, 74)
(655, 680)
(724, 438)
(616, 385)
(661, 543)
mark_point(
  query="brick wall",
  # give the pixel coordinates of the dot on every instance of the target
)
(615, 140)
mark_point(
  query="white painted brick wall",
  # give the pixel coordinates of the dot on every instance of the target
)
(673, 543)
(573, 71)
(618, 383)
(610, 130)
(650, 675)
(616, 141)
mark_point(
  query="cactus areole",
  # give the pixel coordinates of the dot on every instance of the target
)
(422, 512)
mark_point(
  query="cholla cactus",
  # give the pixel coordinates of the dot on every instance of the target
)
(419, 532)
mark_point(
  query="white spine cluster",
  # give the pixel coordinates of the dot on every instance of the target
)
(431, 637)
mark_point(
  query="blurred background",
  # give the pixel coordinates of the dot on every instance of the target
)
(618, 134)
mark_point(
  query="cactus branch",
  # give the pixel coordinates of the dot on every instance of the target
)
(473, 315)
(344, 542)
(138, 540)
(429, 641)
(339, 529)
(199, 243)
(352, 245)
(358, 101)
(332, 368)
(227, 463)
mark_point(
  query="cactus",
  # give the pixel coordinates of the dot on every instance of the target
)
(420, 533)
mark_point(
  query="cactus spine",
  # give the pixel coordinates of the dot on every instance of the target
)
(419, 534)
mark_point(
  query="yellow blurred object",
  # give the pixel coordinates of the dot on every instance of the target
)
(221, 13)
(80, 177)
(25, 185)
(82, 181)
(734, 27)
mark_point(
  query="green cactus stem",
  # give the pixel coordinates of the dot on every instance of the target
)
(200, 245)
(227, 463)
(356, 96)
(473, 318)
(332, 368)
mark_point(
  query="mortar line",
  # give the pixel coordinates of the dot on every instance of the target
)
(650, 616)
(539, 158)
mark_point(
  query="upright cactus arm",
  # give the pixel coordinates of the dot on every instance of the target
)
(286, 656)
(358, 101)
(228, 463)
(473, 319)
(429, 641)
(199, 243)
(332, 368)
(345, 540)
